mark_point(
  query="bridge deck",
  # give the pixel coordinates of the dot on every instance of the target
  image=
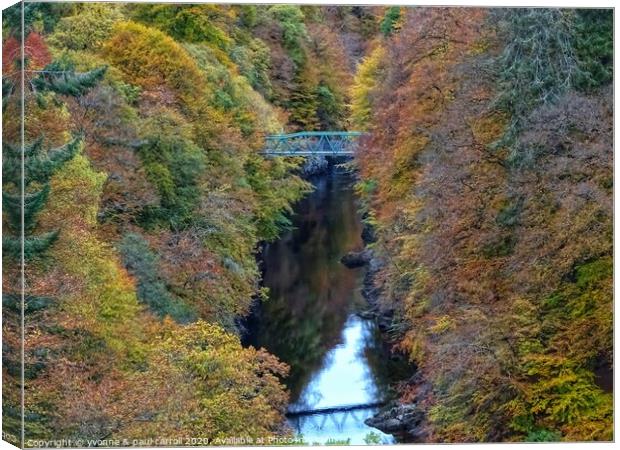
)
(333, 409)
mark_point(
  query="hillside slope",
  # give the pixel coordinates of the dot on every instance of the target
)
(147, 199)
(487, 174)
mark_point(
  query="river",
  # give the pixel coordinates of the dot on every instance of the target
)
(310, 320)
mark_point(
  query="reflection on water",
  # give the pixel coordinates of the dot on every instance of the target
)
(344, 378)
(309, 321)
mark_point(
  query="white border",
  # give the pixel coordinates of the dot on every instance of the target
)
(485, 3)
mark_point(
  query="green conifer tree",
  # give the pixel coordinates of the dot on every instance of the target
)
(329, 108)
(58, 79)
(594, 46)
(39, 166)
(390, 20)
(27, 170)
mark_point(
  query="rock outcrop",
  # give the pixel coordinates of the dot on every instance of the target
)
(353, 260)
(398, 420)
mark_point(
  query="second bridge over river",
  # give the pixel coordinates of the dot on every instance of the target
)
(336, 416)
(308, 143)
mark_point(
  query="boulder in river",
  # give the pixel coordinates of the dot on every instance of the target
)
(368, 234)
(356, 259)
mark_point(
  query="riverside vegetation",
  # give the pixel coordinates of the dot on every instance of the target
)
(486, 174)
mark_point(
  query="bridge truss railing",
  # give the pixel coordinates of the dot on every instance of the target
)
(306, 143)
(336, 416)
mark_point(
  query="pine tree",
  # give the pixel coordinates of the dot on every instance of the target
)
(33, 245)
(329, 110)
(25, 192)
(67, 82)
(7, 90)
(390, 20)
(32, 303)
(594, 46)
(39, 166)
(33, 203)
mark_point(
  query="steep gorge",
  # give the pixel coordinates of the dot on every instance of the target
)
(486, 176)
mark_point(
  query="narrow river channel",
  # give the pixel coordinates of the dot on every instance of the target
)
(310, 320)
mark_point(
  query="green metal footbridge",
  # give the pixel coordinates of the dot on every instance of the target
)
(308, 143)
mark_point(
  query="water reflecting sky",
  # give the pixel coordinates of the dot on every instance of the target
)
(309, 320)
(345, 377)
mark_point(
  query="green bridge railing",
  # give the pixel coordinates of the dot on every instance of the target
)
(307, 143)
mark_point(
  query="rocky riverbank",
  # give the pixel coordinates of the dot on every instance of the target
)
(370, 290)
(401, 420)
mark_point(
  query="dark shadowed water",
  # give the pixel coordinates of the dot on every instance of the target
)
(309, 320)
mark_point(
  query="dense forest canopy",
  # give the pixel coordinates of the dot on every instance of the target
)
(145, 201)
(486, 172)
